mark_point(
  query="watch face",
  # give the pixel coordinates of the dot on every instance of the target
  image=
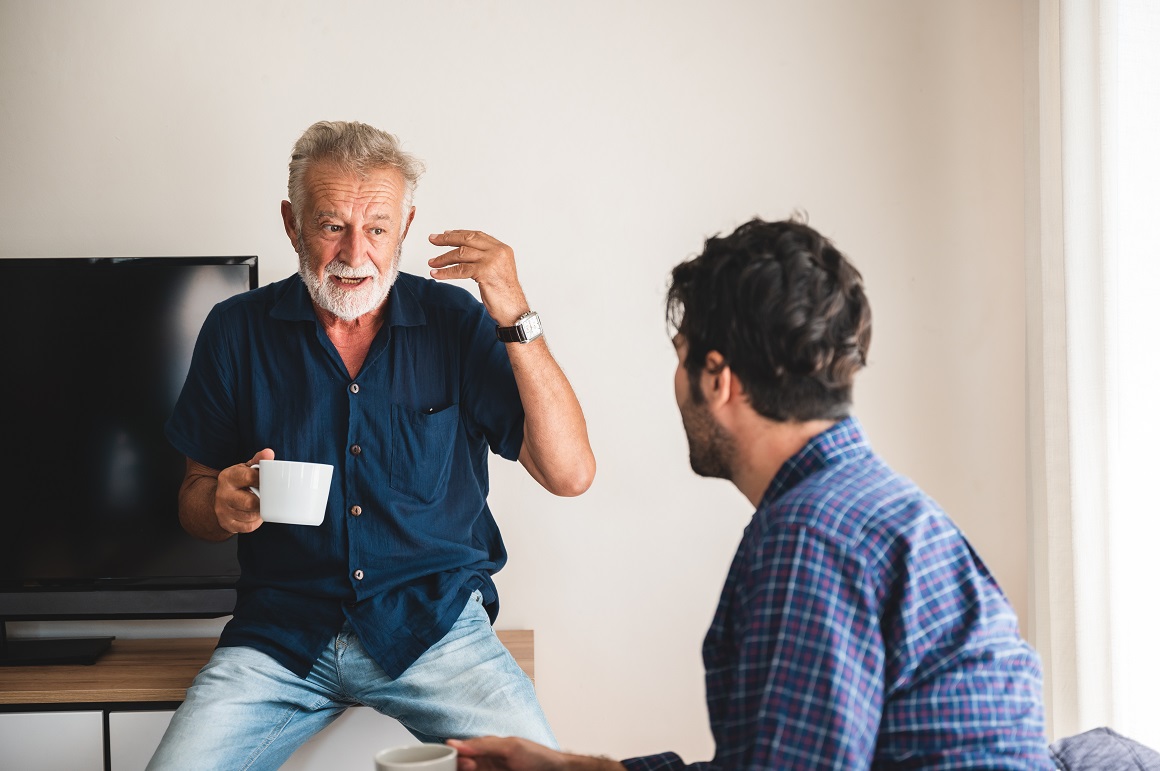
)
(526, 329)
(531, 326)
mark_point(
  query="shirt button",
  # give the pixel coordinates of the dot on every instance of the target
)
(355, 510)
(355, 449)
(354, 388)
(358, 575)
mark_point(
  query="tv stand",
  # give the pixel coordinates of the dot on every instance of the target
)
(114, 713)
(50, 650)
(149, 674)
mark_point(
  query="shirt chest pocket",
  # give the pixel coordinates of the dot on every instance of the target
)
(423, 445)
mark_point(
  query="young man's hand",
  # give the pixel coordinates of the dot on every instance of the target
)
(493, 753)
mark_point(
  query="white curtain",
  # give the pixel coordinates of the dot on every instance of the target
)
(1094, 362)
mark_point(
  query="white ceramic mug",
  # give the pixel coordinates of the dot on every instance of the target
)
(416, 757)
(293, 492)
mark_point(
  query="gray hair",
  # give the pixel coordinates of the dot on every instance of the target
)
(352, 145)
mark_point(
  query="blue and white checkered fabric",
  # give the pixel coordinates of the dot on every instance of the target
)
(858, 629)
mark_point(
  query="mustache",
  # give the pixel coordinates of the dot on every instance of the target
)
(342, 270)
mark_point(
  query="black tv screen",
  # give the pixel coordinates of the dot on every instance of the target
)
(95, 352)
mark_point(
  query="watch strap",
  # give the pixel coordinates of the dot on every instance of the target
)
(526, 329)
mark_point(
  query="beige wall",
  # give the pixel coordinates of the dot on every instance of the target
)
(604, 141)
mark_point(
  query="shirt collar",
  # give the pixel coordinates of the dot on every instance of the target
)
(840, 442)
(403, 308)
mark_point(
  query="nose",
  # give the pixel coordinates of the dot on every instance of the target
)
(356, 246)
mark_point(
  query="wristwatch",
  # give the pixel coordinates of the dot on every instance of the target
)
(526, 329)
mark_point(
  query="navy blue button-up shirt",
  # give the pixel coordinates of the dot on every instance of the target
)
(407, 534)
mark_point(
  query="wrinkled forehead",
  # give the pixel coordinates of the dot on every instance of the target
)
(338, 189)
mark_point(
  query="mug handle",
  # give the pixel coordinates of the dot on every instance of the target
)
(254, 490)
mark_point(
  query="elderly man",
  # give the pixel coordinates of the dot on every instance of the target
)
(857, 628)
(403, 384)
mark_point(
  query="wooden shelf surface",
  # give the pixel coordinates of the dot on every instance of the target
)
(151, 671)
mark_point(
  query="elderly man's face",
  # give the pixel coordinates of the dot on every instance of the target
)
(351, 236)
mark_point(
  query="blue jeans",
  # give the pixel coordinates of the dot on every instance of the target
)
(246, 711)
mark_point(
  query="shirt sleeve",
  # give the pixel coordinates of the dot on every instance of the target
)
(666, 761)
(488, 391)
(806, 689)
(202, 426)
(794, 665)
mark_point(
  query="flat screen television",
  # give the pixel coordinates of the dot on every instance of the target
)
(95, 353)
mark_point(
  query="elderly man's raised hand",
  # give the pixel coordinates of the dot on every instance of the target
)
(488, 262)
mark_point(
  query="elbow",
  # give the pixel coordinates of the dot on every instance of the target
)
(578, 481)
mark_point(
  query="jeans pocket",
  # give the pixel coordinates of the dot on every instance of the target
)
(422, 449)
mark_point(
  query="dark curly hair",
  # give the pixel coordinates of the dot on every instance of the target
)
(784, 308)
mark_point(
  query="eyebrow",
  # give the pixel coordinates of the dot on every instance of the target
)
(319, 216)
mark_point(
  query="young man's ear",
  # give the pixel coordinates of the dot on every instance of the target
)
(717, 381)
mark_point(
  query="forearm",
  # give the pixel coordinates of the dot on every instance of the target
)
(196, 506)
(556, 451)
(589, 763)
(493, 753)
(556, 448)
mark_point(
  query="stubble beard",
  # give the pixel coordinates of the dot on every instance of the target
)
(348, 304)
(711, 449)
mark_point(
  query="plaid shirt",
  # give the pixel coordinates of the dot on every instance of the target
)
(858, 629)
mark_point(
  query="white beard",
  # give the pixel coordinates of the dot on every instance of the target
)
(348, 304)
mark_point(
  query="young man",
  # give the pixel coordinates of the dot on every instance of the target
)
(857, 628)
(403, 384)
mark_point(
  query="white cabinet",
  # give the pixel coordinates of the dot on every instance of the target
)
(133, 736)
(52, 741)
